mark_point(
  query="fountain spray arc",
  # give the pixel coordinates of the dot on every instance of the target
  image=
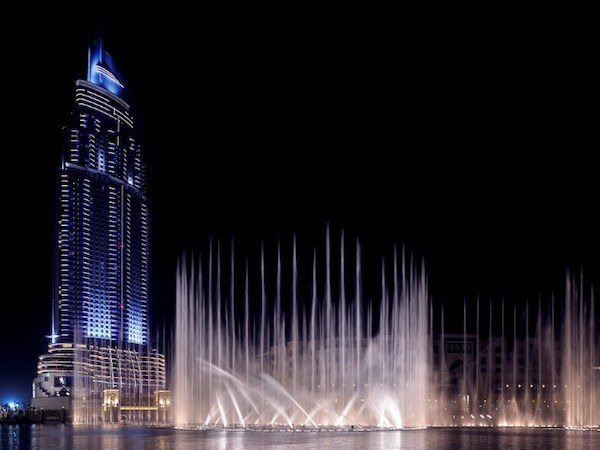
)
(318, 364)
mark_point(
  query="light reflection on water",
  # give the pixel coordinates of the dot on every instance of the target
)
(63, 437)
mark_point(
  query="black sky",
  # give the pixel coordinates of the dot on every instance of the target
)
(470, 144)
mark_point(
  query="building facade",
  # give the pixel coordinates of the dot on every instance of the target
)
(100, 320)
(103, 217)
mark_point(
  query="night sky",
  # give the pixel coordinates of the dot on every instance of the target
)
(472, 146)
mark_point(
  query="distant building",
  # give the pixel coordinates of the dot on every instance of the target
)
(471, 380)
(100, 315)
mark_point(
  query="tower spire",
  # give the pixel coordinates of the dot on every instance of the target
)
(100, 39)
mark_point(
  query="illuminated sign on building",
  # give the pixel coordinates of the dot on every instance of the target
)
(459, 347)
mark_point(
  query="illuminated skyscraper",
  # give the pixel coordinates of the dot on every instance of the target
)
(103, 218)
(99, 352)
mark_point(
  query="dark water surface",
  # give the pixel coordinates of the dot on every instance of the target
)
(58, 437)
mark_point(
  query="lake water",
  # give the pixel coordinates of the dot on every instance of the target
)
(58, 437)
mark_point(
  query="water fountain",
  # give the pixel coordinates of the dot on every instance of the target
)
(536, 371)
(322, 367)
(245, 358)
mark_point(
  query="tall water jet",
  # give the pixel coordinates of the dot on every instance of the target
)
(578, 357)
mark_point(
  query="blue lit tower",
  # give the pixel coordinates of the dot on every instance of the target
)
(100, 364)
(103, 218)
